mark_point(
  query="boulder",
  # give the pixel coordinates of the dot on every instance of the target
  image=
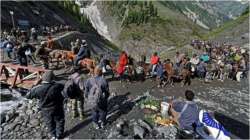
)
(139, 131)
(34, 122)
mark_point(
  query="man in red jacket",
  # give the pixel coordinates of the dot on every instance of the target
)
(123, 61)
(153, 61)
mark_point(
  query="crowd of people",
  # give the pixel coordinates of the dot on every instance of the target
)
(213, 61)
(23, 46)
(221, 61)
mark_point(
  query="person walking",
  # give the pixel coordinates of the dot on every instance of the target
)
(51, 103)
(97, 93)
(74, 91)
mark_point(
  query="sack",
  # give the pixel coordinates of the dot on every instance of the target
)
(28, 52)
(95, 94)
(104, 70)
(193, 68)
(139, 70)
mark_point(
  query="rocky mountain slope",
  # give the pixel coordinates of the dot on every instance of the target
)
(52, 13)
(208, 14)
(141, 27)
(235, 31)
(35, 13)
(138, 27)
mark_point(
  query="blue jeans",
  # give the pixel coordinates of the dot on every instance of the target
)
(201, 74)
(99, 114)
(9, 53)
(153, 70)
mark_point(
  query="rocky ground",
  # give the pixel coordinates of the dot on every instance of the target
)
(228, 101)
(23, 122)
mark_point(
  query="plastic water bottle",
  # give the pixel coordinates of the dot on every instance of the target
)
(164, 109)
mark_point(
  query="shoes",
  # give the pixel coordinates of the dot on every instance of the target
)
(96, 126)
(102, 125)
(53, 138)
(82, 117)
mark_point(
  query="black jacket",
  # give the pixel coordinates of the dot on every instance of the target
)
(49, 95)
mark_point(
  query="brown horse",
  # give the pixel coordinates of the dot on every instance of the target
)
(168, 67)
(68, 56)
(183, 74)
(88, 63)
(61, 56)
(146, 68)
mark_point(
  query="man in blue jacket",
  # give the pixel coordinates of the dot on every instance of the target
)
(97, 93)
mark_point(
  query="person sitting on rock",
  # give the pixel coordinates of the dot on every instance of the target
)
(97, 93)
(51, 103)
(185, 113)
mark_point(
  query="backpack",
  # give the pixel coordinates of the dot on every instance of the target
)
(95, 96)
(71, 90)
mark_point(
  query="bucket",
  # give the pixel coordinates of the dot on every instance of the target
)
(164, 109)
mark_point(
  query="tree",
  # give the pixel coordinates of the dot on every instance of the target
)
(74, 9)
(151, 8)
(145, 3)
(64, 4)
(155, 12)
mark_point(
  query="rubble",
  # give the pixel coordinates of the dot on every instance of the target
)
(25, 121)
